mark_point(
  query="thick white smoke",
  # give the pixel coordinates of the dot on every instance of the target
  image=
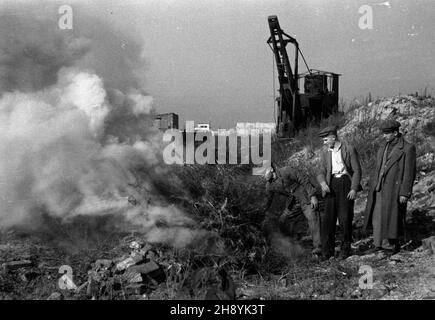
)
(72, 130)
(51, 154)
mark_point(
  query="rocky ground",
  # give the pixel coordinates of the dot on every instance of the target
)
(34, 271)
(407, 275)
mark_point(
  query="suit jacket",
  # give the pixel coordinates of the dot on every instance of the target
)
(291, 182)
(351, 161)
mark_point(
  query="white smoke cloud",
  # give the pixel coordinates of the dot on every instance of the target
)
(75, 124)
(49, 146)
(53, 159)
(141, 104)
(85, 92)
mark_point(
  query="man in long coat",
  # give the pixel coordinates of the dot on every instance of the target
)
(391, 188)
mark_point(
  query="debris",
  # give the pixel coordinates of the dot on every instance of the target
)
(397, 257)
(215, 293)
(364, 257)
(55, 296)
(103, 263)
(378, 291)
(429, 244)
(28, 276)
(132, 200)
(356, 294)
(93, 288)
(136, 289)
(84, 285)
(353, 258)
(132, 276)
(144, 268)
(130, 261)
(13, 265)
(135, 245)
(406, 244)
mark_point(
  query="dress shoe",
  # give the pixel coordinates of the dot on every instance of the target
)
(344, 251)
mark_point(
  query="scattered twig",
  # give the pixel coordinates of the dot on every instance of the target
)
(406, 244)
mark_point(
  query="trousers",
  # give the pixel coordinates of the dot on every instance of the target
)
(313, 219)
(337, 205)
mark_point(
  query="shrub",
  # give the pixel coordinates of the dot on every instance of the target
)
(429, 128)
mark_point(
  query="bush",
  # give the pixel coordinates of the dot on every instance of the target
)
(224, 199)
(429, 128)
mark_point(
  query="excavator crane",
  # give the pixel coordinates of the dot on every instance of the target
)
(295, 109)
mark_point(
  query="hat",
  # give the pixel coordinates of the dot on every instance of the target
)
(327, 131)
(389, 126)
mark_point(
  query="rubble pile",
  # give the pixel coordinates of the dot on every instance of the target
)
(133, 274)
(149, 272)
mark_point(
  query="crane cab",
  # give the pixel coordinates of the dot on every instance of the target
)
(319, 97)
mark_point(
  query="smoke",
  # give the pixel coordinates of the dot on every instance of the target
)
(32, 53)
(75, 123)
(286, 246)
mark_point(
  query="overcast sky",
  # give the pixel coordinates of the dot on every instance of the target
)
(208, 61)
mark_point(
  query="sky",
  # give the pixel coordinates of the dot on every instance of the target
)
(208, 61)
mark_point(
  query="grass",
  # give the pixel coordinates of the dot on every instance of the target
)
(429, 128)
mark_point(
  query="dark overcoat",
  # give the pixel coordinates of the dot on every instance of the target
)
(400, 171)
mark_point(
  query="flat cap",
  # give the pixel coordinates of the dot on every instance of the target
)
(389, 126)
(327, 131)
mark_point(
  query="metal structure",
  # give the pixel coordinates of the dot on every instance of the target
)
(296, 109)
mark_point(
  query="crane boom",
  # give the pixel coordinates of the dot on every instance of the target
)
(288, 103)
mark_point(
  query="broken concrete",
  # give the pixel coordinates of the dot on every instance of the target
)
(13, 265)
(429, 244)
(131, 276)
(144, 268)
(130, 261)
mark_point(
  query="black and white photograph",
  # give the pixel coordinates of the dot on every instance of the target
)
(194, 150)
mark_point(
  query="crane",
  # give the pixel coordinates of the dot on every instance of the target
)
(295, 109)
